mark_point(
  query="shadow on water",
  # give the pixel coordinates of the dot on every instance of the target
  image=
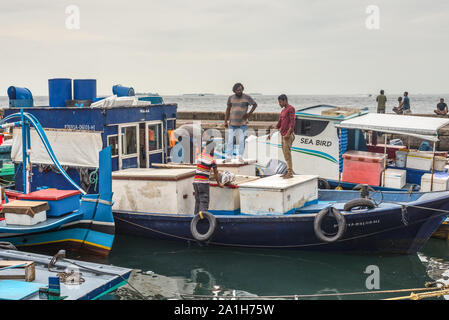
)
(259, 272)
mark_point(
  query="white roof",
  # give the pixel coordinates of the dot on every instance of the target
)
(425, 128)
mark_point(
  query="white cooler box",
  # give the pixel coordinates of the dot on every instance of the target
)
(423, 161)
(226, 200)
(154, 190)
(440, 182)
(277, 196)
(395, 178)
(25, 213)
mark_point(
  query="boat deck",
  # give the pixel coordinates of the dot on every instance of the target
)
(99, 279)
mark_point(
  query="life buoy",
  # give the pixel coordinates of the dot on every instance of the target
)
(341, 221)
(212, 226)
(359, 203)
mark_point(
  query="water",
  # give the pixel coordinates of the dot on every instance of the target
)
(178, 270)
(421, 103)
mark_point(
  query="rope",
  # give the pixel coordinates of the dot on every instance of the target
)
(435, 291)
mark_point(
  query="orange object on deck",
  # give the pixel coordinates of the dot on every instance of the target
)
(363, 167)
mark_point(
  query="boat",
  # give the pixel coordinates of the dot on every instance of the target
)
(328, 137)
(56, 278)
(71, 218)
(372, 222)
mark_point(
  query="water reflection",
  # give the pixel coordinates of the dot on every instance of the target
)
(179, 269)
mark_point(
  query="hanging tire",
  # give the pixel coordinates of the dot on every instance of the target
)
(341, 221)
(359, 203)
(194, 226)
(323, 184)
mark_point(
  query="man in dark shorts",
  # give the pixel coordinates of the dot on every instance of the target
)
(237, 115)
(205, 164)
(441, 109)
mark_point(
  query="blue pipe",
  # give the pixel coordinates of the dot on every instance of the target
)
(43, 137)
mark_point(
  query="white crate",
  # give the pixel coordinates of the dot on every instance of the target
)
(24, 219)
(277, 196)
(419, 160)
(154, 190)
(440, 182)
(394, 178)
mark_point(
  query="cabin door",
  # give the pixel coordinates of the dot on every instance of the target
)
(154, 142)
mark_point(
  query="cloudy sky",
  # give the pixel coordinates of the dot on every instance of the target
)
(191, 46)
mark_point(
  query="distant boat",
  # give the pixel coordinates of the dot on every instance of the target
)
(198, 94)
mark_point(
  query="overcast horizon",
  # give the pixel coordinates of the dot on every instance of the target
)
(299, 47)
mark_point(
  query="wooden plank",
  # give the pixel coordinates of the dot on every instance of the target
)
(29, 269)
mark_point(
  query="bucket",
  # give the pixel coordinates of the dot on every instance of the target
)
(59, 91)
(401, 159)
(121, 91)
(84, 89)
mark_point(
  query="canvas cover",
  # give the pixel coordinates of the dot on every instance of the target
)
(72, 148)
(425, 128)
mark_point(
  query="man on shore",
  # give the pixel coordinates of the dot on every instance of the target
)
(441, 109)
(286, 126)
(381, 101)
(237, 115)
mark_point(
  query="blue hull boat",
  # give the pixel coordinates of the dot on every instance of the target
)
(400, 223)
(74, 221)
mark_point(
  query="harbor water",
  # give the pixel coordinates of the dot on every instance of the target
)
(177, 270)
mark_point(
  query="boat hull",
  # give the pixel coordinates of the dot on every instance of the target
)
(85, 236)
(382, 230)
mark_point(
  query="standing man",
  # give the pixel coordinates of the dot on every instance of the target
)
(404, 106)
(205, 163)
(237, 114)
(381, 101)
(286, 124)
(441, 109)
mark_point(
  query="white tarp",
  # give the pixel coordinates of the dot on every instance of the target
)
(421, 127)
(72, 148)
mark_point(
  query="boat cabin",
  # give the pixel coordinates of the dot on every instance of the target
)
(138, 136)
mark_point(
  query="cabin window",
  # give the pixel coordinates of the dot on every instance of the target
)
(310, 128)
(154, 137)
(129, 140)
(113, 142)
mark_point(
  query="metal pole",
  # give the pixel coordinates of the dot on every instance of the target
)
(24, 152)
(433, 167)
(385, 160)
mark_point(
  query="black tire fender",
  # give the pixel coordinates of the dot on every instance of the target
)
(341, 221)
(212, 226)
(323, 183)
(361, 202)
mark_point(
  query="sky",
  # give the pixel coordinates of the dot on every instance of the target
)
(205, 46)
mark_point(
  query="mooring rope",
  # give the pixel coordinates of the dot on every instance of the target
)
(435, 291)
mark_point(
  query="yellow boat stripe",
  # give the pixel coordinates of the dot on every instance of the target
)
(74, 240)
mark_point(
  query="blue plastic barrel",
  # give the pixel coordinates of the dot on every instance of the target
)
(59, 91)
(84, 89)
(121, 91)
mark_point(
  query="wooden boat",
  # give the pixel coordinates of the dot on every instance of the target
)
(390, 222)
(74, 219)
(78, 280)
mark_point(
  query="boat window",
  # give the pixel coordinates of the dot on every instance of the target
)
(155, 137)
(310, 128)
(113, 142)
(129, 140)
